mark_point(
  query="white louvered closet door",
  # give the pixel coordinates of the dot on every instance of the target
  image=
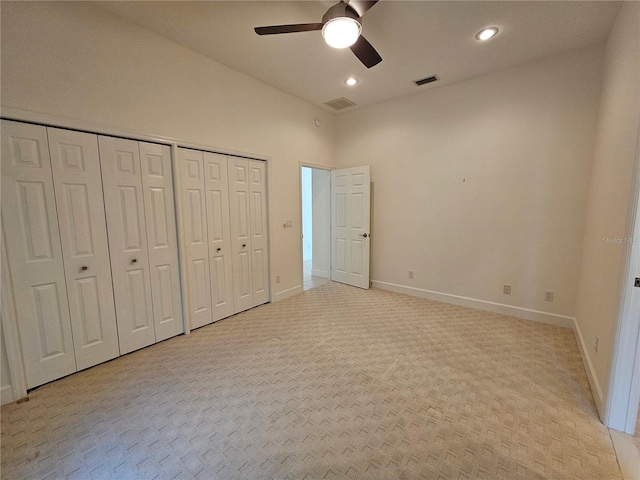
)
(35, 255)
(195, 235)
(259, 238)
(219, 235)
(157, 182)
(239, 203)
(78, 186)
(124, 204)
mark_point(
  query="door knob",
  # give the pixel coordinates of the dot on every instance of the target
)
(84, 268)
(134, 260)
(244, 245)
(218, 249)
(363, 235)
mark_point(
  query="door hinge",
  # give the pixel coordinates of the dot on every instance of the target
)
(637, 282)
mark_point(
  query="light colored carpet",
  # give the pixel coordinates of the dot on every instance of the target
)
(335, 382)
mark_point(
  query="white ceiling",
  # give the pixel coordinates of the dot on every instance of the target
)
(415, 39)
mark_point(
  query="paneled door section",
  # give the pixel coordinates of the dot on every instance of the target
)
(248, 209)
(35, 254)
(138, 191)
(124, 205)
(78, 185)
(91, 246)
(225, 232)
(216, 186)
(157, 184)
(350, 220)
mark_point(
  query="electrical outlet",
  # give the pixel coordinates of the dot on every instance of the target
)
(597, 342)
(548, 296)
(277, 278)
(507, 290)
(411, 274)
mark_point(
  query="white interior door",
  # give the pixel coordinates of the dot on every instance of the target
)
(350, 221)
(78, 186)
(35, 254)
(124, 204)
(217, 199)
(162, 241)
(195, 237)
(240, 233)
(259, 237)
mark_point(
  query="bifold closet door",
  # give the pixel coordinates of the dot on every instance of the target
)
(216, 186)
(78, 186)
(258, 228)
(35, 254)
(240, 211)
(124, 204)
(195, 234)
(157, 182)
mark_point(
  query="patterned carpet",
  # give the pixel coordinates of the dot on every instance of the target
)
(335, 382)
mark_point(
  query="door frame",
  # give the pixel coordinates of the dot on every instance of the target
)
(623, 396)
(302, 165)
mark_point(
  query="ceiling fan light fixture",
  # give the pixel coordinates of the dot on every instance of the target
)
(341, 32)
(487, 33)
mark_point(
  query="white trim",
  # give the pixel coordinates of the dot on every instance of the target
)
(319, 273)
(101, 129)
(627, 453)
(524, 313)
(623, 394)
(596, 389)
(182, 252)
(288, 293)
(6, 395)
(10, 329)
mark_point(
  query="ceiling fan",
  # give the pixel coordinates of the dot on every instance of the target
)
(341, 28)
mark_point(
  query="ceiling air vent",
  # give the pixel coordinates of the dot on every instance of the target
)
(426, 80)
(339, 103)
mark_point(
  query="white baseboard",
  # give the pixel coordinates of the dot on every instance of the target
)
(524, 313)
(290, 292)
(6, 394)
(319, 273)
(588, 366)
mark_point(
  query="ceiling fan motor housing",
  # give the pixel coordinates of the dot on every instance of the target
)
(340, 10)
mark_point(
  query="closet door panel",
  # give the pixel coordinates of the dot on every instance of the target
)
(217, 201)
(196, 240)
(35, 254)
(240, 233)
(78, 185)
(157, 181)
(124, 203)
(259, 236)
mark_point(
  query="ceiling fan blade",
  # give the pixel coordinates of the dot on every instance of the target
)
(276, 29)
(362, 6)
(365, 52)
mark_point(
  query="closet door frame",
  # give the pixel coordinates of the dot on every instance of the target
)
(44, 119)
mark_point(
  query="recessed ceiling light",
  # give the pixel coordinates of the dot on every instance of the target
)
(487, 33)
(351, 81)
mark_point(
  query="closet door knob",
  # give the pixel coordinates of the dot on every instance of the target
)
(244, 245)
(84, 268)
(218, 249)
(134, 260)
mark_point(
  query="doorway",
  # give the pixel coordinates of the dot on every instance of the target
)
(316, 226)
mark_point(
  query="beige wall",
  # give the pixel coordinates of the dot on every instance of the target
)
(610, 203)
(75, 60)
(483, 183)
